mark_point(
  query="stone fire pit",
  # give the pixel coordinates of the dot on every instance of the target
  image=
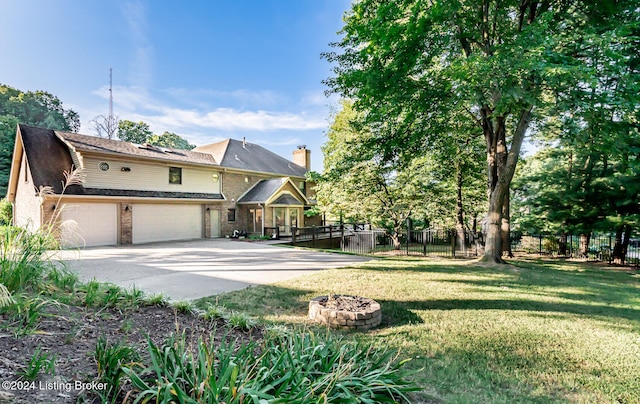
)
(344, 311)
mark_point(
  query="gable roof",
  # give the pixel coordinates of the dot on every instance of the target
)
(264, 190)
(48, 157)
(241, 155)
(111, 146)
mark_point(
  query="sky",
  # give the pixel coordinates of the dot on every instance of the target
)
(205, 70)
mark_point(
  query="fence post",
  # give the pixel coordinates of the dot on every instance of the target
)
(313, 236)
(408, 234)
(341, 235)
(453, 243)
(424, 242)
(539, 244)
(293, 236)
(611, 251)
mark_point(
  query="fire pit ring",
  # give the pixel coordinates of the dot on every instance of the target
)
(344, 311)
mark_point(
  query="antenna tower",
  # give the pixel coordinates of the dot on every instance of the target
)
(110, 94)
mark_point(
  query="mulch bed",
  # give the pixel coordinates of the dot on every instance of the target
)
(70, 334)
(346, 303)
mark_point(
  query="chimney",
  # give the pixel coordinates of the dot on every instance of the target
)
(302, 157)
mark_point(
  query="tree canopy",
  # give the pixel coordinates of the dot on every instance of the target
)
(417, 70)
(140, 132)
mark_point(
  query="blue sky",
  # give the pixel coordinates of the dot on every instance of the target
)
(206, 70)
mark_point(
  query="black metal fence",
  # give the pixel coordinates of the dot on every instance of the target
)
(428, 242)
(594, 247)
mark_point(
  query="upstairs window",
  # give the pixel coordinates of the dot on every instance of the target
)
(175, 175)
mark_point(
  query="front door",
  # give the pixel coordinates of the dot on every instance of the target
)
(215, 223)
(286, 218)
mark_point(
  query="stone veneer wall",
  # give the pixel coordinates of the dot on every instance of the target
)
(358, 320)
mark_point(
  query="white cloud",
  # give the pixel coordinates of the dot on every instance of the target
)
(136, 104)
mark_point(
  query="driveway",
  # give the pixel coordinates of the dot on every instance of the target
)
(198, 268)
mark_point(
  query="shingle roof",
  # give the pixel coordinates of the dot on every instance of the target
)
(48, 158)
(262, 191)
(286, 199)
(98, 144)
(236, 154)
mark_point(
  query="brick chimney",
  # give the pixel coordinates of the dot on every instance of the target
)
(302, 157)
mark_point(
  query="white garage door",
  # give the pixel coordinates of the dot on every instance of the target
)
(166, 222)
(89, 224)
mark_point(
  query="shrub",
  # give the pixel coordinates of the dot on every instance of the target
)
(111, 358)
(294, 367)
(23, 265)
(6, 212)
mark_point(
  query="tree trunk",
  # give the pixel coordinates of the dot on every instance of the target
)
(622, 244)
(562, 245)
(583, 250)
(506, 226)
(460, 242)
(501, 167)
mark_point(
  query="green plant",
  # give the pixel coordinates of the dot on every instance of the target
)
(133, 297)
(5, 296)
(305, 367)
(212, 374)
(184, 306)
(156, 299)
(241, 321)
(110, 359)
(256, 237)
(91, 291)
(63, 279)
(6, 212)
(39, 362)
(294, 367)
(214, 312)
(25, 313)
(22, 262)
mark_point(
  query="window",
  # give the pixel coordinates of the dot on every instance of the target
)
(231, 215)
(175, 175)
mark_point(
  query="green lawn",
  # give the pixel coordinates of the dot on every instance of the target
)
(533, 331)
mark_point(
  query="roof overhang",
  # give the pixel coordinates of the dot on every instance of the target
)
(18, 152)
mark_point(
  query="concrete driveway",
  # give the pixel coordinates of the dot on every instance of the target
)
(198, 268)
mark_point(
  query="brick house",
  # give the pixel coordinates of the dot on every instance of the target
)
(141, 193)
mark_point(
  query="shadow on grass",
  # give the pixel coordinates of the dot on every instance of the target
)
(518, 305)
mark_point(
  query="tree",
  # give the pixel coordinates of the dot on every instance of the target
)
(37, 108)
(134, 132)
(422, 63)
(170, 140)
(105, 126)
(359, 184)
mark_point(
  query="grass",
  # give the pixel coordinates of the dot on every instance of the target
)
(533, 331)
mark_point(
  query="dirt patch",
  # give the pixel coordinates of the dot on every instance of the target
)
(69, 334)
(346, 303)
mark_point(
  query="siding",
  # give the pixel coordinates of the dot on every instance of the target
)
(148, 177)
(27, 203)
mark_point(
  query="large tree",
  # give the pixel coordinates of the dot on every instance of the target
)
(420, 63)
(134, 132)
(170, 140)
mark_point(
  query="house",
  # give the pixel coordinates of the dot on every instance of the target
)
(134, 193)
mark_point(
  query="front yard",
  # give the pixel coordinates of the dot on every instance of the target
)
(533, 331)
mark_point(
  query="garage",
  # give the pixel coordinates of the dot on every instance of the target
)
(89, 224)
(164, 222)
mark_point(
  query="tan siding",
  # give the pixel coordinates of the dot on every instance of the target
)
(147, 177)
(27, 203)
